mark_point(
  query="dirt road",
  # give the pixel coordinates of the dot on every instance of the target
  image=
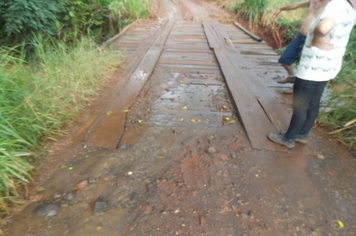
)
(184, 164)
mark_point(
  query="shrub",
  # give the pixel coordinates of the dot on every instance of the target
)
(21, 17)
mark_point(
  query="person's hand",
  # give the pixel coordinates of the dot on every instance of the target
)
(275, 15)
(322, 43)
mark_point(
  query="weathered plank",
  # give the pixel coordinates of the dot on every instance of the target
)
(252, 117)
(109, 128)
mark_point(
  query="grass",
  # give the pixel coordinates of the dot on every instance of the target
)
(39, 96)
(340, 112)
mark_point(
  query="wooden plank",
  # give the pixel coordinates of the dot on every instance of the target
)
(268, 101)
(272, 107)
(251, 115)
(109, 128)
(213, 40)
(255, 37)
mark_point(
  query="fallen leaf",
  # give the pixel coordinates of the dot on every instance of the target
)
(199, 120)
(227, 118)
(109, 112)
(182, 119)
(231, 122)
(148, 109)
(81, 185)
(71, 168)
(194, 121)
(98, 228)
(331, 173)
(341, 224)
(63, 166)
(160, 157)
(85, 147)
(203, 99)
(126, 110)
(184, 108)
(140, 121)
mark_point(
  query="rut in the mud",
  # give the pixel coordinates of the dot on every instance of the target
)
(184, 165)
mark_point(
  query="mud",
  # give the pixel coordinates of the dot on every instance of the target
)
(183, 169)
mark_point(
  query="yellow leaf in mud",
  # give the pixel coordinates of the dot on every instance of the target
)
(160, 157)
(199, 120)
(85, 147)
(126, 110)
(206, 85)
(108, 113)
(341, 224)
(181, 81)
(148, 109)
(227, 118)
(140, 121)
(71, 168)
(182, 119)
(203, 99)
(194, 121)
(272, 91)
(98, 228)
(184, 108)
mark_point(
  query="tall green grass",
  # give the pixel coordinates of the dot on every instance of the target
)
(39, 96)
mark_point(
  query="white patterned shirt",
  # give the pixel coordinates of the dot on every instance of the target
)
(319, 65)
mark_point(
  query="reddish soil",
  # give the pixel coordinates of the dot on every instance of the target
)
(181, 168)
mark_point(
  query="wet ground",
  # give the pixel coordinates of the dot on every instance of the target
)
(185, 166)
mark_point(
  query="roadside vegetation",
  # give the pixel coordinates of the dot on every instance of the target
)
(339, 112)
(50, 68)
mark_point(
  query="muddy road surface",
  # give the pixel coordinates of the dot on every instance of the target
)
(163, 151)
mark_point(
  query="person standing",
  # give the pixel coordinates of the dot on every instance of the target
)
(294, 49)
(320, 62)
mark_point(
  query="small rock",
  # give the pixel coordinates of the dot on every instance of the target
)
(211, 150)
(202, 221)
(221, 156)
(47, 209)
(123, 147)
(321, 156)
(57, 195)
(243, 215)
(100, 206)
(81, 185)
(69, 196)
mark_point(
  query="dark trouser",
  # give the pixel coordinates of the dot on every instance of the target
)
(306, 103)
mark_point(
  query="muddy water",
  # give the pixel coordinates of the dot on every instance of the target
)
(185, 167)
